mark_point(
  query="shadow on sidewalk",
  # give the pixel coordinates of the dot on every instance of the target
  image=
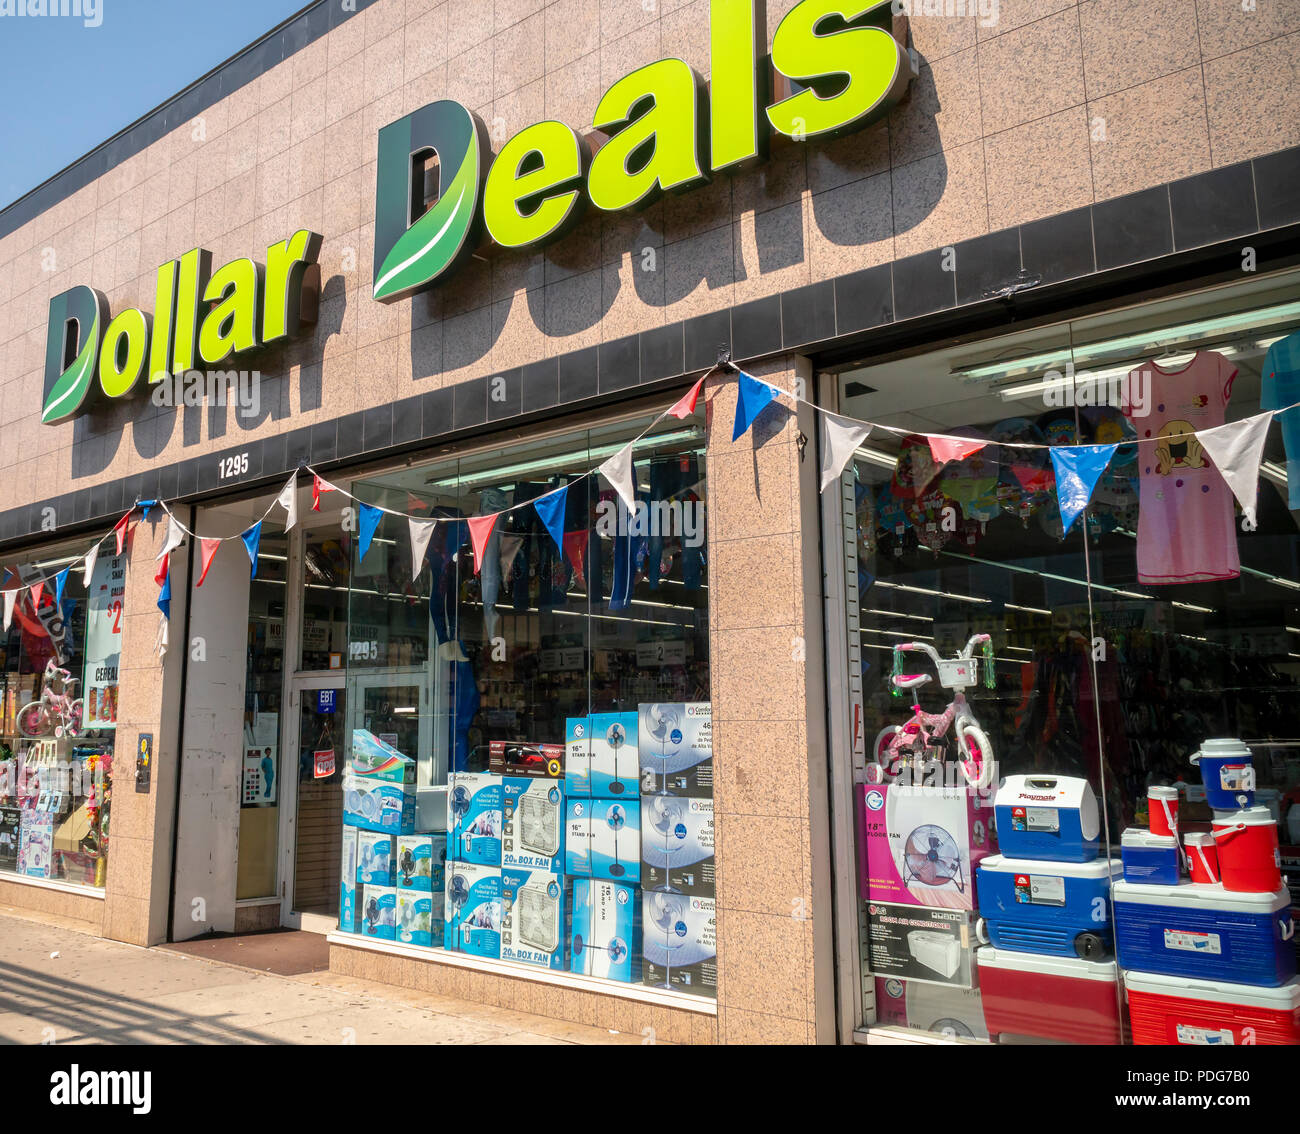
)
(84, 1013)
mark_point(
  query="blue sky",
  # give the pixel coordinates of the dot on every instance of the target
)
(66, 87)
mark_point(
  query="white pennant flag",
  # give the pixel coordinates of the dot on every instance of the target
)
(1236, 450)
(160, 639)
(839, 437)
(175, 537)
(618, 471)
(510, 545)
(288, 500)
(421, 530)
(11, 597)
(91, 556)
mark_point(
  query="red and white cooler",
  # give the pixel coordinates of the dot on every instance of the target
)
(1174, 1010)
(1061, 998)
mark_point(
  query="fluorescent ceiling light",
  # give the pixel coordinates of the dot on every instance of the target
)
(1275, 472)
(908, 637)
(929, 591)
(1031, 609)
(876, 457)
(899, 614)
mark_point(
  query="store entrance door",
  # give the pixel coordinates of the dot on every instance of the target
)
(313, 838)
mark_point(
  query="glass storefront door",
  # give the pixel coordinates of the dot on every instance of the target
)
(317, 824)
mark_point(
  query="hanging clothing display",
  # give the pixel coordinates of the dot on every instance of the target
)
(1186, 530)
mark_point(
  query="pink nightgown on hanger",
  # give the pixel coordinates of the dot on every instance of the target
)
(1186, 523)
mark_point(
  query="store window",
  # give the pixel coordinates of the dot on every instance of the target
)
(540, 725)
(1078, 762)
(58, 716)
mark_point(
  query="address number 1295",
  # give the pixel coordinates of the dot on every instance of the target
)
(232, 466)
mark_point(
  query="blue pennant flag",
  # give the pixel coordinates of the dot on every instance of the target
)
(165, 596)
(60, 581)
(146, 506)
(370, 517)
(1078, 468)
(753, 397)
(551, 510)
(251, 539)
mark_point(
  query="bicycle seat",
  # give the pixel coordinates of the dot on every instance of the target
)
(910, 680)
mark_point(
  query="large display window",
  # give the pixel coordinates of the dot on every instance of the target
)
(529, 748)
(1077, 753)
(58, 714)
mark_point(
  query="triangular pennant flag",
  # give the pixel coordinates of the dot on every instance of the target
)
(550, 509)
(207, 549)
(1236, 450)
(752, 398)
(146, 506)
(160, 639)
(92, 557)
(10, 598)
(945, 449)
(618, 471)
(163, 569)
(288, 500)
(252, 538)
(575, 551)
(120, 530)
(421, 531)
(510, 545)
(840, 436)
(480, 531)
(368, 523)
(175, 537)
(60, 581)
(415, 504)
(317, 487)
(165, 595)
(38, 590)
(685, 405)
(1078, 468)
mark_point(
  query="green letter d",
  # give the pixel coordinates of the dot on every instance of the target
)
(77, 320)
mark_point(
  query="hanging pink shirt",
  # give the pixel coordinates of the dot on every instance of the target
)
(1186, 528)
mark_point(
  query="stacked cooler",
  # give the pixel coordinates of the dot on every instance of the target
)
(1044, 906)
(1210, 960)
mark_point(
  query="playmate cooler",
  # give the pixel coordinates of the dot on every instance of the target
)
(1047, 817)
(1175, 1010)
(1205, 932)
(1059, 908)
(1062, 998)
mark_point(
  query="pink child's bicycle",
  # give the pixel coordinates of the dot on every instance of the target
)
(57, 712)
(898, 745)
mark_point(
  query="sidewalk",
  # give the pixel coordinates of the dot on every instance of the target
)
(61, 984)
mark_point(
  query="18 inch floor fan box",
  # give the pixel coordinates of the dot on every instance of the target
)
(920, 845)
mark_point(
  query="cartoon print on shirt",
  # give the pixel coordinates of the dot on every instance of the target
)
(1178, 448)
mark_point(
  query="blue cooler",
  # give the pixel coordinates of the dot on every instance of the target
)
(1149, 859)
(1204, 931)
(1227, 772)
(1047, 817)
(1060, 908)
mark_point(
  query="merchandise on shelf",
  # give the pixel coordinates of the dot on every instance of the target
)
(523, 758)
(349, 891)
(1047, 817)
(378, 912)
(1162, 809)
(1202, 856)
(36, 843)
(601, 756)
(1205, 932)
(10, 834)
(1167, 1009)
(533, 832)
(378, 806)
(375, 858)
(677, 851)
(602, 839)
(472, 909)
(1044, 906)
(1250, 860)
(605, 938)
(1227, 773)
(1148, 857)
(1061, 998)
(419, 864)
(474, 819)
(534, 928)
(675, 748)
(415, 920)
(680, 942)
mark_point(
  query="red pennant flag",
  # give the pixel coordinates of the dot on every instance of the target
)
(480, 531)
(120, 531)
(415, 504)
(945, 449)
(207, 549)
(317, 487)
(38, 589)
(685, 405)
(575, 550)
(160, 576)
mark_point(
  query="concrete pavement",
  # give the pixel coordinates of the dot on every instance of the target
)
(59, 983)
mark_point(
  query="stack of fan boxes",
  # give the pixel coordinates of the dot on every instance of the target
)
(378, 810)
(679, 894)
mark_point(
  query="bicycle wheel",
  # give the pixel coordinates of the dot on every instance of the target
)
(880, 750)
(976, 757)
(33, 720)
